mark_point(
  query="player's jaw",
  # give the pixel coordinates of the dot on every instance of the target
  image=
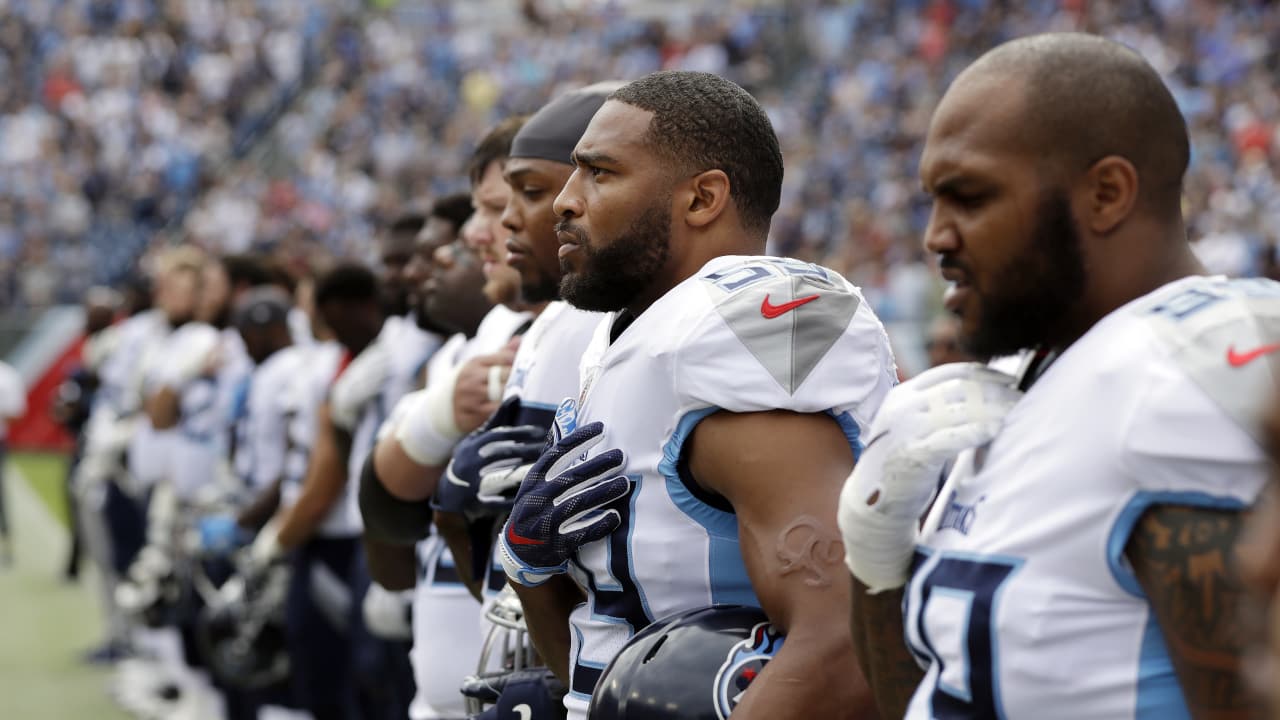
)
(1030, 295)
(605, 276)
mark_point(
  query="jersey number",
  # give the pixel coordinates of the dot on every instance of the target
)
(950, 628)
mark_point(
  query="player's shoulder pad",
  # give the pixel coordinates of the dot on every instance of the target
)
(1225, 335)
(787, 313)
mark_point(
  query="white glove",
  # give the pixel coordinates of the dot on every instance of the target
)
(922, 424)
(388, 615)
(429, 431)
(266, 549)
(358, 384)
(190, 358)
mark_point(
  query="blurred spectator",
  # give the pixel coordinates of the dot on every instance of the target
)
(942, 342)
(137, 102)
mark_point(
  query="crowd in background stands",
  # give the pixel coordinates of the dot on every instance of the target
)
(112, 131)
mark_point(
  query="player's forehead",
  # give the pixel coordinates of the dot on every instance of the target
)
(518, 169)
(979, 125)
(617, 134)
(492, 190)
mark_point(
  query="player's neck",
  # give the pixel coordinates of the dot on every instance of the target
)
(690, 254)
(1128, 278)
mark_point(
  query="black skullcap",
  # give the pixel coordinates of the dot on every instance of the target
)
(552, 132)
(262, 306)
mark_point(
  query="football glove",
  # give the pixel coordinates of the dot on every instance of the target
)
(489, 464)
(923, 423)
(564, 503)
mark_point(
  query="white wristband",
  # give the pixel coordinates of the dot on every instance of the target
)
(878, 547)
(429, 432)
(266, 547)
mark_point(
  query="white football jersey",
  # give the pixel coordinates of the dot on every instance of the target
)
(203, 432)
(446, 618)
(121, 372)
(151, 451)
(543, 375)
(261, 430)
(745, 334)
(301, 401)
(1022, 603)
(409, 348)
(545, 371)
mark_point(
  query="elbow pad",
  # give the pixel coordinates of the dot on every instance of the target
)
(387, 518)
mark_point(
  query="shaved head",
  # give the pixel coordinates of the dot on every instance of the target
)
(1085, 98)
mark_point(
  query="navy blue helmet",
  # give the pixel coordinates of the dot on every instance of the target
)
(693, 665)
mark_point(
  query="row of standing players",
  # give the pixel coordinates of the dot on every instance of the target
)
(1069, 568)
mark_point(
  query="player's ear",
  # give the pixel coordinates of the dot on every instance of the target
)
(708, 197)
(1112, 187)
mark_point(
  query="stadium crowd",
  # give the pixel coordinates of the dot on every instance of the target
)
(493, 371)
(399, 95)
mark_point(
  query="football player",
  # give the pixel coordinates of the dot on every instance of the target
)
(721, 403)
(1078, 560)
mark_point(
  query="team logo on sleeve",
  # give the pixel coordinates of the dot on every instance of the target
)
(566, 420)
(745, 662)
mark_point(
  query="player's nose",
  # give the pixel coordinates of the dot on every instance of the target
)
(940, 236)
(569, 203)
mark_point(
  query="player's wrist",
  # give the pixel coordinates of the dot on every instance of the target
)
(429, 433)
(524, 573)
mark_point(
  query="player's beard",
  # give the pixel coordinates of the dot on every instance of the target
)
(1038, 288)
(614, 274)
(541, 289)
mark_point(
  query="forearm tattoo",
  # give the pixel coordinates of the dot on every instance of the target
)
(1182, 557)
(808, 547)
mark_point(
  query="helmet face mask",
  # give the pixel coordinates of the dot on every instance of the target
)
(240, 632)
(507, 649)
(693, 665)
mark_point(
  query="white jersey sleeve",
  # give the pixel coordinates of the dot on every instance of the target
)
(800, 325)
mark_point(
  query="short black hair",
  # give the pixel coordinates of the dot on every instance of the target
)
(495, 146)
(407, 223)
(247, 269)
(454, 209)
(347, 282)
(703, 122)
(1088, 97)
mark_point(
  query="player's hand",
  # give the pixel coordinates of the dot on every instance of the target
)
(474, 396)
(532, 693)
(191, 361)
(562, 506)
(388, 615)
(358, 384)
(923, 423)
(489, 465)
(220, 534)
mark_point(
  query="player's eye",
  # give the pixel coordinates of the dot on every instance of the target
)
(531, 193)
(596, 172)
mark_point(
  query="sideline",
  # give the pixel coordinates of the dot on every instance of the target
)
(46, 622)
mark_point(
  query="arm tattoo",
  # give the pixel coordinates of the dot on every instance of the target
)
(1182, 557)
(807, 547)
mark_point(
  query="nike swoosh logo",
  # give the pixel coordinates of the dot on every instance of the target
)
(772, 311)
(1235, 359)
(515, 539)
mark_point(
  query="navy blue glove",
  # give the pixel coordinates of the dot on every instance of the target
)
(531, 694)
(563, 506)
(489, 464)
